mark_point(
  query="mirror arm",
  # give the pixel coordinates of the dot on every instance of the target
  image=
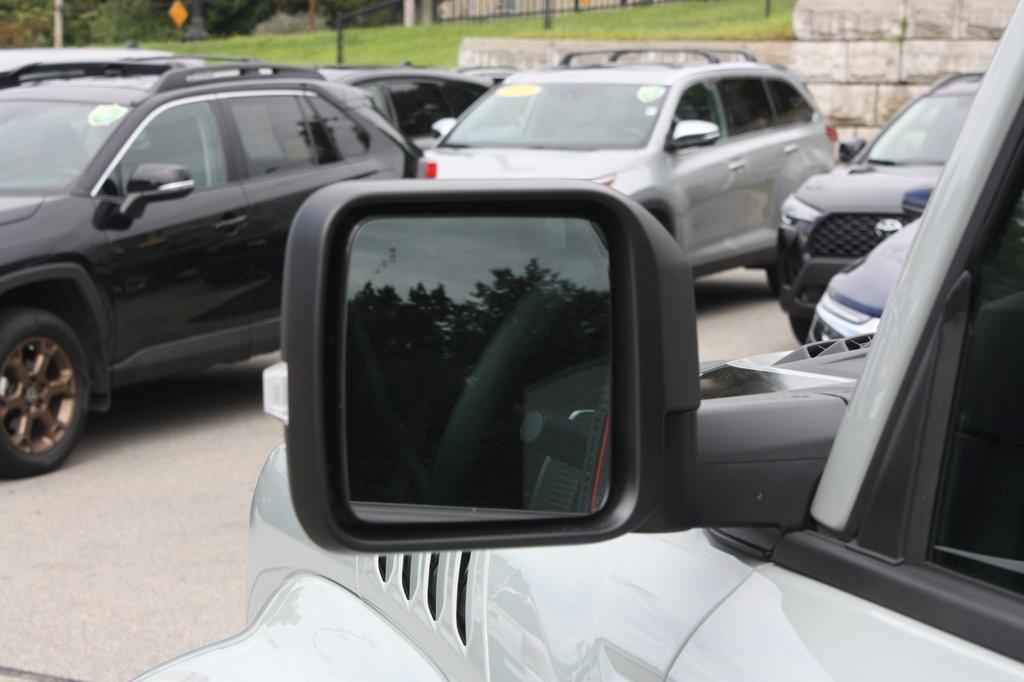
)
(763, 474)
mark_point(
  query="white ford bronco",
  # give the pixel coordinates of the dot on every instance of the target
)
(479, 372)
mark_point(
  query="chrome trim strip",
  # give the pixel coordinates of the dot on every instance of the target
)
(181, 102)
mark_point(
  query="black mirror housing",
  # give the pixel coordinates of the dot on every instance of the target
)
(151, 182)
(654, 389)
(848, 149)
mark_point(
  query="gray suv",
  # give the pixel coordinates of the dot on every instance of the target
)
(711, 148)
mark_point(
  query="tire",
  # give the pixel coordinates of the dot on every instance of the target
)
(44, 392)
(801, 327)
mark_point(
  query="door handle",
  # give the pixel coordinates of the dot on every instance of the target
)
(737, 165)
(790, 148)
(231, 222)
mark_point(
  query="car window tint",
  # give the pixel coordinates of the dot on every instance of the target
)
(698, 103)
(461, 96)
(417, 106)
(980, 522)
(379, 97)
(337, 137)
(790, 105)
(273, 133)
(746, 104)
(185, 135)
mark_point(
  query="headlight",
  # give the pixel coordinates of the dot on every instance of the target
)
(796, 212)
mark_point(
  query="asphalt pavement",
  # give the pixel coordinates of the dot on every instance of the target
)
(135, 551)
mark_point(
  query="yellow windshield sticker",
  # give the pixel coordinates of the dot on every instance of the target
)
(518, 90)
(650, 93)
(105, 114)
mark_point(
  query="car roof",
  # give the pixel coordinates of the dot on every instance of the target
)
(964, 84)
(640, 73)
(16, 58)
(112, 90)
(357, 74)
(132, 81)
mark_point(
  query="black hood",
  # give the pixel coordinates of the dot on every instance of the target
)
(14, 209)
(866, 188)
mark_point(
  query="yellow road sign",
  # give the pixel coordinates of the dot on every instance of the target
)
(178, 13)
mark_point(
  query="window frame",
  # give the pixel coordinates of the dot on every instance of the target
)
(390, 82)
(725, 108)
(227, 129)
(712, 86)
(883, 554)
(775, 105)
(312, 115)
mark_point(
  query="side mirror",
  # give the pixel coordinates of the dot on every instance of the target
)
(442, 126)
(151, 182)
(693, 133)
(850, 148)
(484, 363)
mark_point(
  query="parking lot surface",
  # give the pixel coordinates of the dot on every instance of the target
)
(135, 551)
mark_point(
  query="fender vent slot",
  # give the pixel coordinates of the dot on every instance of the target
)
(406, 574)
(382, 567)
(460, 603)
(435, 560)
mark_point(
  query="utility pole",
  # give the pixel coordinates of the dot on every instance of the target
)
(312, 15)
(58, 23)
(197, 27)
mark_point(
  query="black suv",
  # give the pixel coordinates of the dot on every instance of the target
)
(144, 209)
(836, 218)
(413, 98)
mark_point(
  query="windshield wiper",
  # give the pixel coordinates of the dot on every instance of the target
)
(885, 162)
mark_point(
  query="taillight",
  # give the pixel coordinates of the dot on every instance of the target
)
(832, 134)
(431, 170)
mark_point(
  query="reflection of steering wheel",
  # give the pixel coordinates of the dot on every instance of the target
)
(458, 458)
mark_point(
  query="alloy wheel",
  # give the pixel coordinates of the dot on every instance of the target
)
(37, 395)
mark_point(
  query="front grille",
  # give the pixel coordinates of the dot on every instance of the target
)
(846, 235)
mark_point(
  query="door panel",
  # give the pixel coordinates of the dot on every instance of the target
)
(290, 151)
(177, 271)
(755, 160)
(782, 626)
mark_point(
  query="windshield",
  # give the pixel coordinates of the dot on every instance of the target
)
(925, 133)
(562, 116)
(47, 145)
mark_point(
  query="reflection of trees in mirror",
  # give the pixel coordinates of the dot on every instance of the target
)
(437, 391)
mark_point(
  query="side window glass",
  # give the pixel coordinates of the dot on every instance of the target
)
(417, 106)
(185, 135)
(980, 516)
(790, 105)
(460, 96)
(337, 136)
(698, 102)
(379, 97)
(273, 133)
(746, 104)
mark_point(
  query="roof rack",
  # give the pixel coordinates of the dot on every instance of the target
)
(710, 54)
(177, 78)
(41, 71)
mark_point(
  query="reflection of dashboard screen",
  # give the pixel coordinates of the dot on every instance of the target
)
(566, 448)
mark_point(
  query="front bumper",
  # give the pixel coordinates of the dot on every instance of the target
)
(803, 278)
(833, 320)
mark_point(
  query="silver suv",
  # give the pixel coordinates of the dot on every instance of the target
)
(711, 149)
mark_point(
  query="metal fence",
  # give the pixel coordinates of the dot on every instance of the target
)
(392, 12)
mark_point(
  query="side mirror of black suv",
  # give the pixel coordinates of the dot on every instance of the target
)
(155, 182)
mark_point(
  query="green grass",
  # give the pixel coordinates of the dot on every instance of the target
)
(438, 45)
